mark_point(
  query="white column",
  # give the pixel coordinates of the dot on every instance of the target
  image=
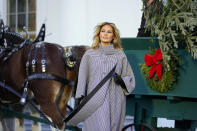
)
(1, 128)
(18, 127)
(3, 9)
(9, 124)
(49, 10)
(126, 14)
(73, 22)
(36, 126)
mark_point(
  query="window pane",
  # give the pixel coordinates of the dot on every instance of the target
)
(21, 6)
(12, 21)
(11, 6)
(32, 5)
(21, 22)
(32, 22)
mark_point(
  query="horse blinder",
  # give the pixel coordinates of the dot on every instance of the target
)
(70, 59)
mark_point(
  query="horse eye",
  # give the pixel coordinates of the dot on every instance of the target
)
(67, 54)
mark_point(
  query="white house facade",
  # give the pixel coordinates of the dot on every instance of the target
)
(72, 22)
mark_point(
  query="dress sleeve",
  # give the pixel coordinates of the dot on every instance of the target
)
(127, 76)
(82, 77)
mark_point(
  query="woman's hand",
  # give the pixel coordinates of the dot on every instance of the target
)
(117, 79)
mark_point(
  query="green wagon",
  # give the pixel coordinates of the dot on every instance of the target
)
(146, 105)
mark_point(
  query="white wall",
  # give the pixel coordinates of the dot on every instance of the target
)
(48, 11)
(126, 14)
(3, 10)
(72, 22)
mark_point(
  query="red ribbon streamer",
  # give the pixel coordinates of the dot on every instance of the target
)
(154, 60)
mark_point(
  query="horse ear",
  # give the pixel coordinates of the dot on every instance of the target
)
(1, 28)
(1, 23)
(41, 34)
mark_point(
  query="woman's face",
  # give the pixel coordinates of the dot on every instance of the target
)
(106, 34)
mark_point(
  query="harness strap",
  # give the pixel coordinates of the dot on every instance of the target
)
(90, 95)
(50, 77)
(43, 51)
(28, 63)
(34, 59)
(38, 76)
(43, 61)
(2, 84)
(35, 52)
(1, 50)
(28, 102)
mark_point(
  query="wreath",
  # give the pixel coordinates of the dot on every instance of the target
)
(174, 22)
(157, 75)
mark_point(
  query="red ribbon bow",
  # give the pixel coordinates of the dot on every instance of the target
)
(154, 60)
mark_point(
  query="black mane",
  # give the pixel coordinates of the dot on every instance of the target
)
(13, 38)
(11, 42)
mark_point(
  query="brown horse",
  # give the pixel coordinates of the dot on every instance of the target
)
(21, 58)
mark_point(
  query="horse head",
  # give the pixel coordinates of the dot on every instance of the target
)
(53, 95)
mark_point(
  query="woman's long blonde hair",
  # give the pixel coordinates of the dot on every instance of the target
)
(96, 39)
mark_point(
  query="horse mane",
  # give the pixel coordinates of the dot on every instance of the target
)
(15, 36)
(13, 42)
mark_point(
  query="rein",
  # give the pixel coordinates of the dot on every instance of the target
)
(75, 120)
(28, 102)
(34, 77)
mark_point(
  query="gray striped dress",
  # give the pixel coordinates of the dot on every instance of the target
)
(94, 66)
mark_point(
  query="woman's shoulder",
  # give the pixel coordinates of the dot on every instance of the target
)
(120, 52)
(90, 51)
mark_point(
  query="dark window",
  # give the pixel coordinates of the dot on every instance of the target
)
(22, 13)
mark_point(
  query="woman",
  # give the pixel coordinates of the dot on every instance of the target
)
(97, 62)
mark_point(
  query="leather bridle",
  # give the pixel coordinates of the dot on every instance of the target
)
(36, 76)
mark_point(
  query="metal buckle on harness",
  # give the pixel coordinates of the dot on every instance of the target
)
(24, 95)
(33, 65)
(43, 62)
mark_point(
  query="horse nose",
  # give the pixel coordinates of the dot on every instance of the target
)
(72, 58)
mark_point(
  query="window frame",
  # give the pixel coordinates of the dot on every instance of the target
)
(27, 14)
